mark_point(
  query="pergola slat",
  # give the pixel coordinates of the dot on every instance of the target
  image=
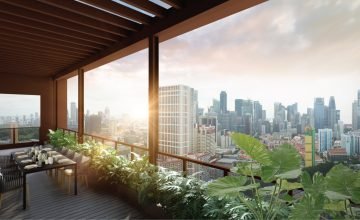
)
(23, 41)
(174, 3)
(53, 29)
(40, 59)
(56, 43)
(20, 45)
(121, 10)
(48, 35)
(68, 16)
(94, 13)
(148, 7)
(20, 12)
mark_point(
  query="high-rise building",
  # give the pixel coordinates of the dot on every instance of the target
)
(216, 106)
(319, 113)
(177, 119)
(292, 111)
(332, 118)
(239, 103)
(346, 143)
(355, 142)
(325, 139)
(223, 102)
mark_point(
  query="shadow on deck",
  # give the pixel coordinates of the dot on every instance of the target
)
(49, 201)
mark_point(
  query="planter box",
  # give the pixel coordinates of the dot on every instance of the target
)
(127, 194)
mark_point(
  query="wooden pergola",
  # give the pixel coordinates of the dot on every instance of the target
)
(44, 42)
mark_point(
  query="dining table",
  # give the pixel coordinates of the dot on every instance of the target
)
(27, 165)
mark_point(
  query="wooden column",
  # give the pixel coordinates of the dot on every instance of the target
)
(61, 103)
(153, 98)
(80, 105)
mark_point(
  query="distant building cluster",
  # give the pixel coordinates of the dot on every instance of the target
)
(31, 120)
(186, 130)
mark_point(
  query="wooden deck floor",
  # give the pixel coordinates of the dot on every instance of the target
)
(49, 201)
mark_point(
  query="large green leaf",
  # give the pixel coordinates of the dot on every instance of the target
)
(285, 164)
(341, 180)
(229, 186)
(315, 186)
(252, 147)
(308, 208)
(247, 168)
(285, 185)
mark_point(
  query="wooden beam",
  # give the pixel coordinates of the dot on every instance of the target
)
(148, 6)
(31, 24)
(91, 12)
(121, 10)
(80, 105)
(153, 98)
(174, 3)
(20, 12)
(56, 12)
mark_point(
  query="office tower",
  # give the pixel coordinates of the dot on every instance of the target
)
(205, 139)
(264, 115)
(355, 115)
(177, 119)
(216, 106)
(93, 124)
(292, 111)
(319, 113)
(239, 103)
(338, 130)
(332, 113)
(223, 102)
(279, 117)
(355, 142)
(248, 122)
(346, 143)
(325, 139)
(73, 113)
(310, 113)
(257, 117)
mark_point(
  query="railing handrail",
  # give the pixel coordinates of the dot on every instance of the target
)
(21, 127)
(185, 160)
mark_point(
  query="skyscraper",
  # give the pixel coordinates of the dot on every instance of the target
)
(325, 139)
(223, 102)
(177, 119)
(332, 119)
(356, 113)
(239, 103)
(319, 113)
(292, 111)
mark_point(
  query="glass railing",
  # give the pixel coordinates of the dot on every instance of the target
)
(19, 135)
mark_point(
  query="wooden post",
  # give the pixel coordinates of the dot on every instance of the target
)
(81, 106)
(153, 98)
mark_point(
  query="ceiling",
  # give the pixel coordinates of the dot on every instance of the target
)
(54, 37)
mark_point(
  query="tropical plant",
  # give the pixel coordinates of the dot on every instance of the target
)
(59, 139)
(264, 201)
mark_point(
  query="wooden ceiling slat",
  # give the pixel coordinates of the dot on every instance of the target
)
(121, 10)
(20, 45)
(53, 29)
(23, 41)
(94, 13)
(33, 62)
(49, 35)
(148, 7)
(174, 3)
(11, 53)
(45, 40)
(18, 51)
(68, 16)
(35, 16)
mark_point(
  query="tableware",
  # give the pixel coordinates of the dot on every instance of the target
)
(51, 160)
(19, 152)
(26, 161)
(30, 166)
(21, 156)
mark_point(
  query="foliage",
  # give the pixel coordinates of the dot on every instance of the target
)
(58, 139)
(324, 196)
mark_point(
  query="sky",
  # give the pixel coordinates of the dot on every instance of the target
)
(280, 51)
(19, 105)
